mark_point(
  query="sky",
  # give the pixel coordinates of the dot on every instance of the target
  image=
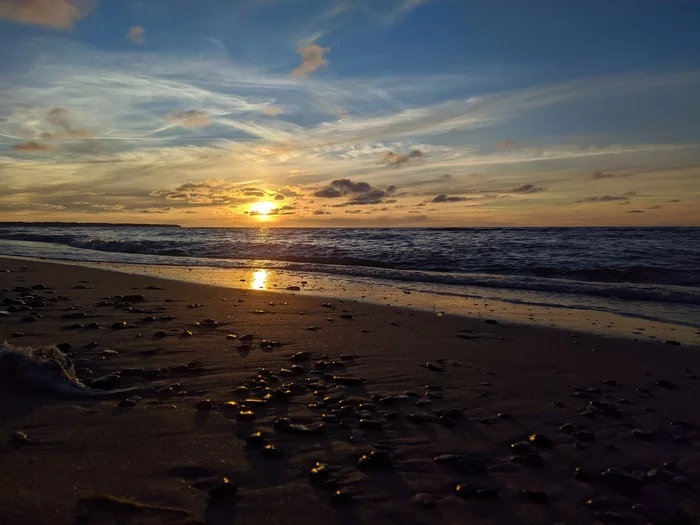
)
(351, 113)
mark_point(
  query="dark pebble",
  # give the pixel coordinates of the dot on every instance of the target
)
(341, 497)
(119, 325)
(536, 496)
(246, 415)
(521, 448)
(541, 441)
(370, 424)
(226, 491)
(529, 460)
(381, 459)
(665, 383)
(204, 405)
(64, 347)
(256, 439)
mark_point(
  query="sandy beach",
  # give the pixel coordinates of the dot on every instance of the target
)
(395, 415)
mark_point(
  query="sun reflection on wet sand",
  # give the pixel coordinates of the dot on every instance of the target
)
(259, 280)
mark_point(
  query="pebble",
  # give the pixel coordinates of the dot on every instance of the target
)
(584, 435)
(521, 448)
(642, 434)
(246, 415)
(270, 451)
(567, 428)
(126, 403)
(19, 438)
(341, 497)
(529, 460)
(433, 367)
(319, 473)
(424, 500)
(256, 439)
(119, 325)
(536, 496)
(204, 405)
(381, 459)
(619, 480)
(370, 424)
(226, 491)
(541, 441)
(665, 383)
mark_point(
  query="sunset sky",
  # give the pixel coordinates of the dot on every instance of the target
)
(351, 112)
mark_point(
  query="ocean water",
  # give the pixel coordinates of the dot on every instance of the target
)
(649, 273)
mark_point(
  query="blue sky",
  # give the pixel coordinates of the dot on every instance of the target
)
(351, 112)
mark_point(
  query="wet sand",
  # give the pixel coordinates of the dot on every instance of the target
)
(154, 454)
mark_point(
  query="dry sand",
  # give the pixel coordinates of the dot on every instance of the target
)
(91, 461)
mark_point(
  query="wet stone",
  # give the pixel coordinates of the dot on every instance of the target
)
(424, 500)
(119, 325)
(434, 367)
(64, 347)
(126, 403)
(521, 448)
(599, 504)
(567, 428)
(19, 439)
(319, 473)
(584, 435)
(381, 459)
(270, 451)
(370, 424)
(529, 460)
(665, 383)
(541, 441)
(204, 405)
(642, 434)
(619, 480)
(225, 492)
(256, 439)
(536, 496)
(341, 497)
(246, 415)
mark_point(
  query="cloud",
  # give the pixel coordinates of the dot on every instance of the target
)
(450, 198)
(634, 211)
(273, 111)
(59, 117)
(58, 14)
(321, 212)
(360, 192)
(604, 198)
(506, 145)
(602, 175)
(188, 118)
(32, 147)
(311, 59)
(136, 35)
(391, 158)
(528, 188)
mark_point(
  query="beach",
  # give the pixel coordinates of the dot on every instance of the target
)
(396, 414)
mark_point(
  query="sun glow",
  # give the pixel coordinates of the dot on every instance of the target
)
(262, 208)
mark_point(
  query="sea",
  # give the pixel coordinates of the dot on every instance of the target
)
(650, 274)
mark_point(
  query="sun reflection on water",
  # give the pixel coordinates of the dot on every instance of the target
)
(259, 279)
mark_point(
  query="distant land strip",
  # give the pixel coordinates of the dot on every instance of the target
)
(86, 224)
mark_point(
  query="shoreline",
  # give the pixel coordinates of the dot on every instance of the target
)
(152, 454)
(406, 294)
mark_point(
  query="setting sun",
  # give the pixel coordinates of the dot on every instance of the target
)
(262, 208)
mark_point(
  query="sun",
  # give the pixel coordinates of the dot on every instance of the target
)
(262, 208)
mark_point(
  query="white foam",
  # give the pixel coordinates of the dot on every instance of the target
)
(39, 369)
